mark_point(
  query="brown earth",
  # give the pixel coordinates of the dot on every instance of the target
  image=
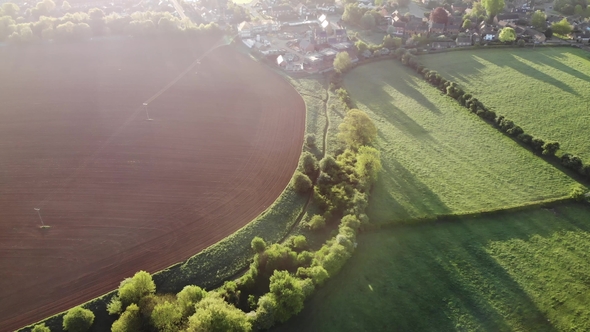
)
(120, 193)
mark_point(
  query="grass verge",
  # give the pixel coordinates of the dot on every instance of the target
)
(437, 158)
(523, 271)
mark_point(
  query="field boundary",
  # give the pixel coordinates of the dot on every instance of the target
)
(212, 266)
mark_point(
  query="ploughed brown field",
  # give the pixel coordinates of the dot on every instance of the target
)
(121, 193)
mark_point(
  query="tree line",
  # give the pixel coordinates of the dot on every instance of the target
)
(83, 25)
(536, 144)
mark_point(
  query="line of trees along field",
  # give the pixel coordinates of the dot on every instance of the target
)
(281, 276)
(42, 23)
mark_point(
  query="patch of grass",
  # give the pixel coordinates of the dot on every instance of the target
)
(437, 158)
(525, 271)
(544, 90)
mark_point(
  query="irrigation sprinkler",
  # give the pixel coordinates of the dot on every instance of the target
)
(39, 214)
(145, 106)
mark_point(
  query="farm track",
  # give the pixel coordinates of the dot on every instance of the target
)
(222, 146)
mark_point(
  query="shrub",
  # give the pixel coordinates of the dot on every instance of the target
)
(301, 183)
(304, 258)
(350, 221)
(549, 148)
(213, 314)
(309, 164)
(132, 290)
(317, 222)
(78, 319)
(40, 328)
(357, 129)
(298, 242)
(129, 321)
(310, 140)
(578, 193)
(166, 317)
(537, 144)
(288, 295)
(188, 297)
(525, 138)
(258, 244)
(265, 313)
(520, 42)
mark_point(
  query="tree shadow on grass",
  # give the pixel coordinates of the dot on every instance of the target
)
(553, 61)
(437, 277)
(400, 195)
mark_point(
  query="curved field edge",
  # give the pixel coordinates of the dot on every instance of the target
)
(437, 156)
(227, 258)
(522, 271)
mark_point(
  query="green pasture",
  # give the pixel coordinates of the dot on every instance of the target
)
(439, 159)
(524, 271)
(544, 90)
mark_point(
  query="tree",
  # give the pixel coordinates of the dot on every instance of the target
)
(309, 164)
(562, 27)
(493, 7)
(166, 317)
(578, 10)
(352, 13)
(357, 129)
(317, 222)
(402, 3)
(521, 43)
(133, 289)
(188, 297)
(130, 320)
(213, 314)
(288, 295)
(391, 42)
(550, 148)
(539, 20)
(507, 35)
(258, 244)
(10, 9)
(301, 182)
(78, 319)
(361, 46)
(548, 33)
(439, 15)
(368, 21)
(40, 328)
(466, 24)
(342, 62)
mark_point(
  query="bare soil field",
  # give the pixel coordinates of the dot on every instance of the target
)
(121, 193)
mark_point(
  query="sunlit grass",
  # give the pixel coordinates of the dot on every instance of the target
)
(545, 91)
(526, 271)
(438, 158)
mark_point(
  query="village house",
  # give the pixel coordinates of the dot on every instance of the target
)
(452, 29)
(301, 9)
(414, 28)
(506, 18)
(306, 45)
(249, 29)
(459, 8)
(281, 10)
(442, 44)
(341, 35)
(436, 28)
(399, 28)
(321, 37)
(463, 40)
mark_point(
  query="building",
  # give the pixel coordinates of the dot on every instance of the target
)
(453, 29)
(399, 28)
(321, 37)
(463, 40)
(506, 18)
(281, 10)
(436, 28)
(249, 29)
(437, 45)
(414, 28)
(341, 35)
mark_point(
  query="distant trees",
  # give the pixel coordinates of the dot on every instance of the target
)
(357, 129)
(562, 27)
(507, 35)
(466, 24)
(78, 319)
(439, 15)
(368, 21)
(342, 62)
(539, 20)
(132, 290)
(493, 7)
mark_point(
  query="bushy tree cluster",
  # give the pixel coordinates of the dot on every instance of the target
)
(41, 25)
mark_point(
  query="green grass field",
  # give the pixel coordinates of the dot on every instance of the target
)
(545, 91)
(439, 159)
(526, 271)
